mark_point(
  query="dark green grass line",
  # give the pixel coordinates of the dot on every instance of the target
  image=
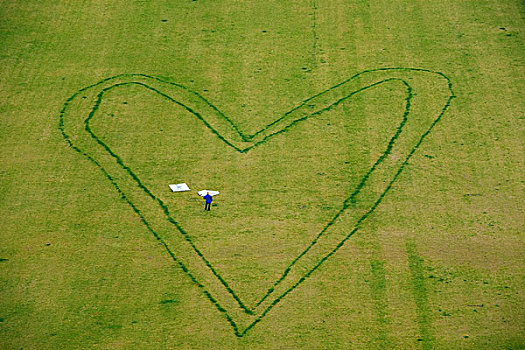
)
(346, 204)
(419, 291)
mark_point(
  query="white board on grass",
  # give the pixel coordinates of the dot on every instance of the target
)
(212, 193)
(179, 187)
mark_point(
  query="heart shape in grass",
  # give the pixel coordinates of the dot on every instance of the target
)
(427, 96)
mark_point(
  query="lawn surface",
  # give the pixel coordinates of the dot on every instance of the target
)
(368, 155)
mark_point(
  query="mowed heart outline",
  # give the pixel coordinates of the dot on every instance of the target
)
(82, 106)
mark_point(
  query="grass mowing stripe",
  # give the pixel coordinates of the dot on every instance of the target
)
(419, 290)
(314, 34)
(378, 291)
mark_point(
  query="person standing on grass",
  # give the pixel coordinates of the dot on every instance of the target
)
(208, 199)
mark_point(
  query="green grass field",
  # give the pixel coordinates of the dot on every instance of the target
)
(369, 157)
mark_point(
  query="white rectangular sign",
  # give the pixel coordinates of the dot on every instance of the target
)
(212, 193)
(179, 187)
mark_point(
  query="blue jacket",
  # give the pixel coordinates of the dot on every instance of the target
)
(208, 198)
